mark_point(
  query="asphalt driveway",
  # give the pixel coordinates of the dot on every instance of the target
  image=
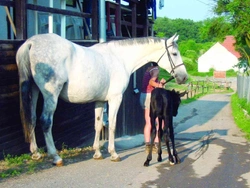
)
(213, 150)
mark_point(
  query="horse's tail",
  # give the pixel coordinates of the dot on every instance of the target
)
(25, 88)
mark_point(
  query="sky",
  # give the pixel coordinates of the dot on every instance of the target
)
(196, 10)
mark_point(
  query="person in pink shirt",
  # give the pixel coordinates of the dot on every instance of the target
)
(149, 82)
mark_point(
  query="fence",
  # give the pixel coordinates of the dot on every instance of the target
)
(243, 87)
(204, 86)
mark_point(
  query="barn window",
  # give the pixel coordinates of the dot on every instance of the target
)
(71, 3)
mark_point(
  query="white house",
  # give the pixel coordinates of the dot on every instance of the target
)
(220, 57)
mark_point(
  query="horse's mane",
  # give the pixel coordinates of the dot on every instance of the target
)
(140, 40)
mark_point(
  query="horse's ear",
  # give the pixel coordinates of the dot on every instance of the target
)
(173, 39)
(170, 40)
(176, 38)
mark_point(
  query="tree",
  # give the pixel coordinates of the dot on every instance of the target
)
(237, 13)
(215, 29)
(186, 28)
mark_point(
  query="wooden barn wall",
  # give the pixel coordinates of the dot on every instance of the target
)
(130, 116)
(73, 123)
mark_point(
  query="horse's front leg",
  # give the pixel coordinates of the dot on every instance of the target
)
(114, 105)
(98, 127)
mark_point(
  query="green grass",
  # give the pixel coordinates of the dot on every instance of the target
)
(240, 112)
(14, 165)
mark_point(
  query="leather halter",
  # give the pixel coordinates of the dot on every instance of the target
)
(173, 66)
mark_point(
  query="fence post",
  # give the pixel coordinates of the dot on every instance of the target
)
(192, 89)
(248, 88)
(244, 87)
(239, 85)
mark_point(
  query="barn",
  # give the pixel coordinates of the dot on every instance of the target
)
(220, 57)
(85, 22)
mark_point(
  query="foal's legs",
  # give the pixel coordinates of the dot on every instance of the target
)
(175, 154)
(160, 132)
(98, 127)
(166, 134)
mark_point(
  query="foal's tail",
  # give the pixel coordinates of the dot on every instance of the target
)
(25, 86)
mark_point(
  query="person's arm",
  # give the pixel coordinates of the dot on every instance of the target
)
(154, 75)
(163, 81)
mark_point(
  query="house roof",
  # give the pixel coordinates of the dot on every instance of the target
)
(228, 43)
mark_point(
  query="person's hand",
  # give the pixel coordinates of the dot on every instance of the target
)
(160, 85)
(163, 81)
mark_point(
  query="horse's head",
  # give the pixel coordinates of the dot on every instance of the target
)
(172, 61)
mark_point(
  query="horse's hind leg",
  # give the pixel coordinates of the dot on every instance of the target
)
(160, 132)
(166, 134)
(33, 145)
(98, 127)
(46, 120)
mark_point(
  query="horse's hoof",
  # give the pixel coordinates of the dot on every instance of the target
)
(159, 159)
(117, 159)
(36, 156)
(146, 164)
(58, 163)
(171, 163)
(98, 158)
(97, 155)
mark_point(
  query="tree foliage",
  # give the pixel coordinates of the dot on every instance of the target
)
(186, 28)
(216, 29)
(237, 14)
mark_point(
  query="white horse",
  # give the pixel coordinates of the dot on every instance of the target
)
(57, 67)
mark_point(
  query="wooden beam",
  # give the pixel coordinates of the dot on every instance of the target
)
(58, 11)
(20, 19)
(133, 17)
(145, 16)
(118, 19)
(94, 16)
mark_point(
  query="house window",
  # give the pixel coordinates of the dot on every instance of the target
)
(71, 3)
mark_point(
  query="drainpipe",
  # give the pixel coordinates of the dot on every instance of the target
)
(63, 19)
(102, 21)
(102, 38)
(50, 17)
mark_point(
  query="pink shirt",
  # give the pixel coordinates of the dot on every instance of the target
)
(146, 87)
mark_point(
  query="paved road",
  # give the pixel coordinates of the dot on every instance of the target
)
(213, 152)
